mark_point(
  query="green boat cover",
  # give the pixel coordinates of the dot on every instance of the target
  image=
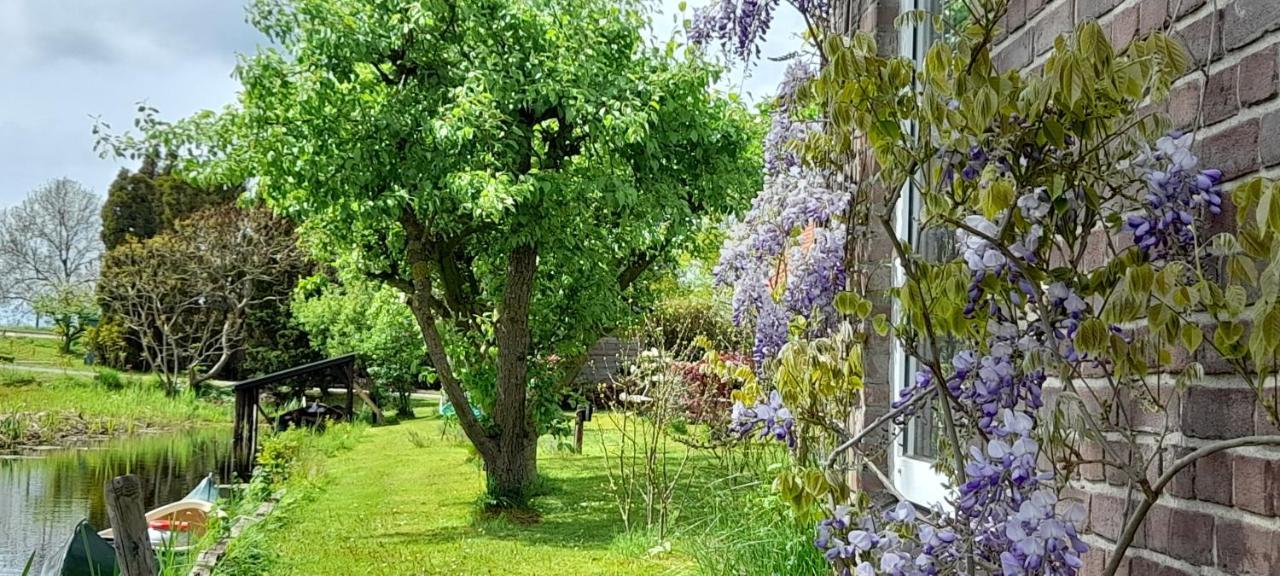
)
(84, 554)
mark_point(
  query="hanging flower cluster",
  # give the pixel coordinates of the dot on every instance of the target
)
(785, 257)
(769, 419)
(895, 544)
(740, 26)
(1176, 189)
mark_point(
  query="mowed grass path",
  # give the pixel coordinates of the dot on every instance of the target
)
(389, 507)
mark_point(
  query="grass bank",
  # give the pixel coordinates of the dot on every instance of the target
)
(51, 409)
(405, 501)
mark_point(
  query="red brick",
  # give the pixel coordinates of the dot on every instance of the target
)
(1017, 14)
(1220, 98)
(1217, 412)
(1183, 534)
(1245, 548)
(1095, 560)
(1034, 6)
(1093, 9)
(1234, 150)
(1183, 484)
(1184, 7)
(1247, 20)
(1057, 20)
(1124, 27)
(1107, 515)
(1151, 408)
(1016, 54)
(1254, 482)
(1270, 139)
(1213, 478)
(1258, 76)
(1091, 471)
(1117, 476)
(1147, 567)
(1203, 38)
(1152, 15)
(1184, 104)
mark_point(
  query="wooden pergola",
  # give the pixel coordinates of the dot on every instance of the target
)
(249, 392)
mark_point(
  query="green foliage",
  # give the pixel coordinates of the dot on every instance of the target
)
(109, 342)
(680, 320)
(151, 200)
(72, 309)
(109, 379)
(481, 141)
(42, 409)
(351, 314)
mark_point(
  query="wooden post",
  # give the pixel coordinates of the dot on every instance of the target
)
(245, 435)
(134, 555)
(350, 373)
(581, 416)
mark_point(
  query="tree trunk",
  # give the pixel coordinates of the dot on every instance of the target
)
(514, 468)
(511, 473)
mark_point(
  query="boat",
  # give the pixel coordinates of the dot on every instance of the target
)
(178, 525)
(85, 553)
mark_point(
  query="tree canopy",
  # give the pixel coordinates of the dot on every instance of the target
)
(515, 167)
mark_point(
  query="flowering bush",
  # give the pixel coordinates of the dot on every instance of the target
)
(1083, 257)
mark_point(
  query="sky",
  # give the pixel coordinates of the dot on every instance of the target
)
(65, 63)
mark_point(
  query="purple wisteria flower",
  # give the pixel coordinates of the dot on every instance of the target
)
(785, 257)
(770, 419)
(740, 25)
(1175, 190)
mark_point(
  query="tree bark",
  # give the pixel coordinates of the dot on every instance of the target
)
(514, 470)
(418, 258)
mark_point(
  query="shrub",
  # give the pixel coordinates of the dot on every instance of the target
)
(109, 379)
(676, 323)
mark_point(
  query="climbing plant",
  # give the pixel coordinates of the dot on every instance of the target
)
(1091, 272)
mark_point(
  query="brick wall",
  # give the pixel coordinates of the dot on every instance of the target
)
(1222, 515)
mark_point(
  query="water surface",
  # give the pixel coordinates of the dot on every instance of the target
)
(43, 496)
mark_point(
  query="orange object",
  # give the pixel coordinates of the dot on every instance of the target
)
(169, 525)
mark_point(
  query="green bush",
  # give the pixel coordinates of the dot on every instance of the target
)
(676, 322)
(109, 379)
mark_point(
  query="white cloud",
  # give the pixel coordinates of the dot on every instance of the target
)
(64, 62)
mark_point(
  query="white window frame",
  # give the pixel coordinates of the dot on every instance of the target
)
(914, 477)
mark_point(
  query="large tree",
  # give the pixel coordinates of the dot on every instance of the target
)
(185, 294)
(515, 167)
(49, 243)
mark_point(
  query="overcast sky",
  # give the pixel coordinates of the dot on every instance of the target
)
(64, 62)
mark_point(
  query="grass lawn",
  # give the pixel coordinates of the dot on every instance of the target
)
(391, 507)
(29, 351)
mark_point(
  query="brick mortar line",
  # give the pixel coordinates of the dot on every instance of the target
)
(1038, 60)
(1180, 440)
(1183, 504)
(1107, 546)
(1214, 381)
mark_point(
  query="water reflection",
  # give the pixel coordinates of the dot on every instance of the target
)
(42, 498)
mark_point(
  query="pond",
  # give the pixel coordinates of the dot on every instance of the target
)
(43, 495)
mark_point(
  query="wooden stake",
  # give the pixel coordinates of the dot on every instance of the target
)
(129, 524)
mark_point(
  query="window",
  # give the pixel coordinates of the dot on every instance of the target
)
(916, 451)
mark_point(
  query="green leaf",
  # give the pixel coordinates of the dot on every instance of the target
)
(1093, 335)
(881, 324)
(1192, 335)
(1054, 132)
